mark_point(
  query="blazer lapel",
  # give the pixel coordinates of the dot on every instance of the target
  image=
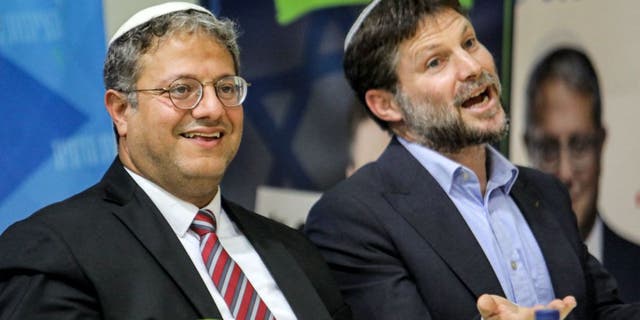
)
(285, 270)
(418, 198)
(138, 213)
(564, 269)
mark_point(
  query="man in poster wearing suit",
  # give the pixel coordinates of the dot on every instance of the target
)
(565, 137)
(442, 226)
(154, 239)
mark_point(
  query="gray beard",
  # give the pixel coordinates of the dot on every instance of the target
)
(436, 127)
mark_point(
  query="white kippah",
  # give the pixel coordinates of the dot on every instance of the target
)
(356, 25)
(149, 13)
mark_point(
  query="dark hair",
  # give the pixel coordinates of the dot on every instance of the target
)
(371, 56)
(572, 67)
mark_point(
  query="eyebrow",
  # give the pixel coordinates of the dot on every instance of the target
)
(425, 50)
(193, 76)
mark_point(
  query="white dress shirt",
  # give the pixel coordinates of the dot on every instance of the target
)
(180, 214)
(594, 240)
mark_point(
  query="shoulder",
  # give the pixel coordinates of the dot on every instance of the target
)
(365, 183)
(59, 230)
(44, 242)
(353, 210)
(70, 212)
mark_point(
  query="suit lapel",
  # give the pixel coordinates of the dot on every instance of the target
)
(138, 213)
(418, 198)
(285, 270)
(564, 269)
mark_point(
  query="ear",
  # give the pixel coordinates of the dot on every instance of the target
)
(117, 105)
(383, 105)
(602, 138)
(603, 135)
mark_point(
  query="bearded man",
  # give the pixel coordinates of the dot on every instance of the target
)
(442, 226)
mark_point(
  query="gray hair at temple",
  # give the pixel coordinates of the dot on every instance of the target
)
(371, 50)
(574, 68)
(122, 65)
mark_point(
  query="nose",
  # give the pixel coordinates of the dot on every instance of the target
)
(565, 168)
(468, 66)
(210, 106)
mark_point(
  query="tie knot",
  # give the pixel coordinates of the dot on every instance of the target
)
(204, 222)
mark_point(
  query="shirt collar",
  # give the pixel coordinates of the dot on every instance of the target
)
(178, 213)
(501, 173)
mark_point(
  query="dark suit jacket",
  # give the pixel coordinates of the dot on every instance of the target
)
(622, 259)
(108, 253)
(400, 249)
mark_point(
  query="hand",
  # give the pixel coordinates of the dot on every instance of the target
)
(494, 307)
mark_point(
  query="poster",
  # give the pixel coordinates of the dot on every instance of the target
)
(606, 31)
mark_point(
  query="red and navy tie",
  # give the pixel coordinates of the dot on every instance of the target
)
(242, 299)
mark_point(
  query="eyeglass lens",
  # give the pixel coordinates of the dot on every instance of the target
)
(186, 93)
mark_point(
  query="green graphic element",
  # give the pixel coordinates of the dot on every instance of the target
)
(289, 10)
(466, 4)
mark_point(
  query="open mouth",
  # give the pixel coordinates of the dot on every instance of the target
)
(481, 98)
(203, 136)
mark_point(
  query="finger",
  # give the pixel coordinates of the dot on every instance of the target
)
(570, 303)
(487, 306)
(565, 306)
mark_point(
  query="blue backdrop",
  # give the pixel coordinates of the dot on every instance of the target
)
(57, 137)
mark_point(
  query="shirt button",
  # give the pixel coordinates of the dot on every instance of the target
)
(514, 265)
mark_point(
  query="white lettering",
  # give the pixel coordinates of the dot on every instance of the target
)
(30, 27)
(84, 151)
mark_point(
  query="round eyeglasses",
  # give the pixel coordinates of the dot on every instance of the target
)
(185, 93)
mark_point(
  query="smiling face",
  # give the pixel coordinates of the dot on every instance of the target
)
(448, 89)
(186, 152)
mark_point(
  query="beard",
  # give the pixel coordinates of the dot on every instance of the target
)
(441, 127)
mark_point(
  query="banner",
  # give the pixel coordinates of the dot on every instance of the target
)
(57, 137)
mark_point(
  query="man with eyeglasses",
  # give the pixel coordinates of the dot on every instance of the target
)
(565, 137)
(154, 239)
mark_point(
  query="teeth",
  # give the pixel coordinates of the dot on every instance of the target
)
(485, 99)
(205, 135)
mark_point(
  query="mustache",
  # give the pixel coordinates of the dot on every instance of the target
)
(205, 123)
(466, 91)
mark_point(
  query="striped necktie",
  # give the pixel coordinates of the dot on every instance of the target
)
(242, 299)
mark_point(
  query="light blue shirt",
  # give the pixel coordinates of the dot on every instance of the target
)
(496, 222)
